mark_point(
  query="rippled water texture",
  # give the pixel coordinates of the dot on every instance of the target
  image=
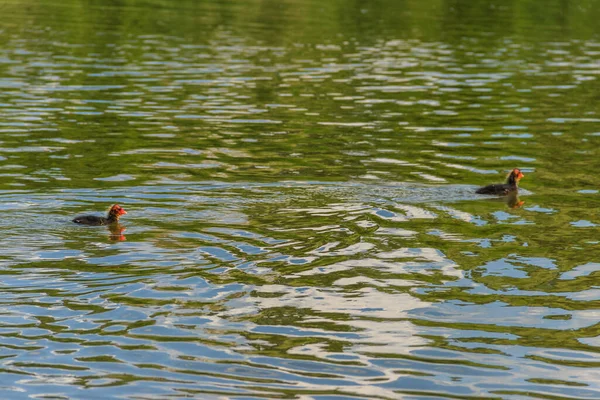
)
(299, 177)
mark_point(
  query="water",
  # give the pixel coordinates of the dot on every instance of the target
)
(299, 178)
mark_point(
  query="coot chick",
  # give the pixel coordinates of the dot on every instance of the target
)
(501, 189)
(113, 216)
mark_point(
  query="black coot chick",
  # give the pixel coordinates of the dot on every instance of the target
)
(113, 216)
(501, 189)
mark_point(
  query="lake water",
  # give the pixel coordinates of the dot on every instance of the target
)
(299, 177)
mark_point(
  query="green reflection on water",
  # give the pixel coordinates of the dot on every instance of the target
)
(348, 138)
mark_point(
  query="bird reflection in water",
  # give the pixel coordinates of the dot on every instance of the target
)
(512, 200)
(116, 232)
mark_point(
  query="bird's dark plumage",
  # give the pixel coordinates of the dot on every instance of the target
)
(501, 189)
(113, 216)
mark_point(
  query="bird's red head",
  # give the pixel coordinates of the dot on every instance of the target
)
(517, 174)
(117, 210)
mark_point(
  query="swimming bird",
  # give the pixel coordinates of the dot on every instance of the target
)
(113, 216)
(501, 189)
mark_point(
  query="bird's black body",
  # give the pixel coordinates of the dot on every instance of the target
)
(499, 189)
(92, 220)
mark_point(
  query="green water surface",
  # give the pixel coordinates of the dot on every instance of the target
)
(299, 177)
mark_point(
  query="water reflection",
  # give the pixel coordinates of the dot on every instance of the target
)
(306, 223)
(513, 201)
(116, 232)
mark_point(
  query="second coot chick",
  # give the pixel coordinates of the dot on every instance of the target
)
(501, 189)
(113, 216)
